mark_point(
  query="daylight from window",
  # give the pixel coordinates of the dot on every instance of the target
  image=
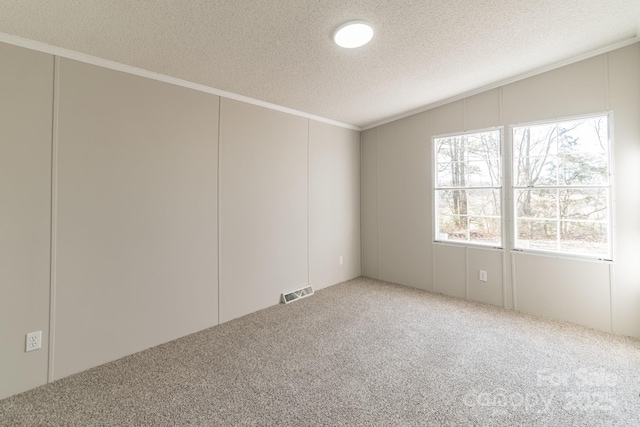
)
(561, 187)
(468, 188)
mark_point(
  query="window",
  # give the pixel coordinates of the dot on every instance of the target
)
(468, 188)
(561, 187)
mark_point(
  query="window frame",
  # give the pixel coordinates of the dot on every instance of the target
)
(610, 187)
(435, 188)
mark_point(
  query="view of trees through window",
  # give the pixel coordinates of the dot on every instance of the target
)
(469, 188)
(561, 190)
(561, 187)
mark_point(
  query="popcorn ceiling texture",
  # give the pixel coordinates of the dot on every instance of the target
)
(281, 51)
(360, 353)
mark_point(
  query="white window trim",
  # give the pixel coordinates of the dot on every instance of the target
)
(508, 170)
(508, 207)
(434, 189)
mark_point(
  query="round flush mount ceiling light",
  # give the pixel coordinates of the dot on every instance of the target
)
(353, 34)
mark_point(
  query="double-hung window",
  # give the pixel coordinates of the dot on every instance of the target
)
(468, 188)
(561, 187)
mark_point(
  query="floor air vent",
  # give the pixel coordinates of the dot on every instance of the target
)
(296, 295)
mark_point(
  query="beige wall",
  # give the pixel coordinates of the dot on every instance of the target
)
(577, 291)
(139, 182)
(404, 232)
(26, 85)
(263, 207)
(136, 235)
(334, 204)
(624, 100)
(369, 203)
(582, 292)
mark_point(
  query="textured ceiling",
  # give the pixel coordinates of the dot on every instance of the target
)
(281, 51)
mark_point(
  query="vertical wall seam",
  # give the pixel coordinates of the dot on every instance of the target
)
(360, 136)
(54, 216)
(504, 278)
(513, 282)
(433, 267)
(377, 204)
(308, 201)
(464, 114)
(466, 273)
(218, 198)
(500, 112)
(430, 185)
(607, 107)
(607, 96)
(611, 296)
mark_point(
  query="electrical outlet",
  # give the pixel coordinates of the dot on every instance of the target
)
(483, 276)
(340, 260)
(34, 341)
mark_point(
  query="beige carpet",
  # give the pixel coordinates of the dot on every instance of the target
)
(364, 353)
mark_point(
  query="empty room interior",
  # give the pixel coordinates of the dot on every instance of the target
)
(460, 193)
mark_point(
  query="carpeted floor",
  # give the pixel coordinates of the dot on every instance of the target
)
(364, 353)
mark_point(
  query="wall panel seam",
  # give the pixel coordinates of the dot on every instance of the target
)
(430, 186)
(466, 273)
(611, 297)
(503, 260)
(377, 204)
(54, 216)
(359, 216)
(218, 202)
(607, 95)
(514, 293)
(464, 114)
(308, 202)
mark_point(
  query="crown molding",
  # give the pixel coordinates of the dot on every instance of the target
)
(105, 63)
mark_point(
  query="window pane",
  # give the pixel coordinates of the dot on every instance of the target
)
(584, 169)
(483, 202)
(584, 136)
(534, 155)
(538, 170)
(559, 162)
(537, 203)
(471, 160)
(469, 202)
(452, 227)
(464, 214)
(470, 215)
(451, 159)
(452, 202)
(584, 238)
(485, 230)
(444, 175)
(539, 140)
(485, 173)
(452, 174)
(483, 146)
(537, 234)
(584, 204)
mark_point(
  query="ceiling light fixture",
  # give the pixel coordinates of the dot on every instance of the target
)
(353, 34)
